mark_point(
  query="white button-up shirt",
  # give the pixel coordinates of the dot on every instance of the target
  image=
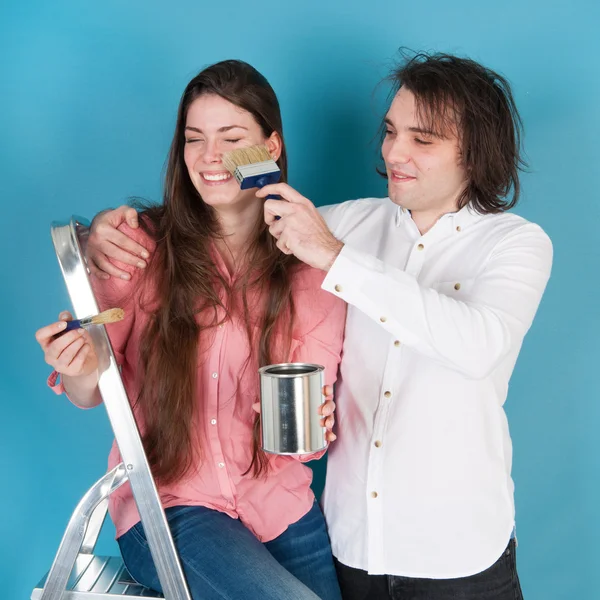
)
(418, 481)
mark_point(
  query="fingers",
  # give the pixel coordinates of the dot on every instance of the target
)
(115, 244)
(79, 359)
(283, 246)
(256, 407)
(276, 228)
(46, 334)
(326, 410)
(285, 191)
(106, 242)
(63, 361)
(275, 209)
(55, 348)
(117, 216)
(121, 247)
(103, 268)
(131, 216)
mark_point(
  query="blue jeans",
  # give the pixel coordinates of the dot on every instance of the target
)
(223, 560)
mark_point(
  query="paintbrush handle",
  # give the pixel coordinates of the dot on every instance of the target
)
(74, 324)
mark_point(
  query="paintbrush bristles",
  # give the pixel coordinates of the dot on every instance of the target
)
(108, 316)
(245, 156)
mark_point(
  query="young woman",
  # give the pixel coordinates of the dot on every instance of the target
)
(216, 301)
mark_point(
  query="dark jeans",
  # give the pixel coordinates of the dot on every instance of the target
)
(223, 560)
(499, 582)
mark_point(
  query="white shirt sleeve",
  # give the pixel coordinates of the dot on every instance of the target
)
(469, 336)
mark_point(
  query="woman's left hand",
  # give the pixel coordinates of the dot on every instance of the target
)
(326, 411)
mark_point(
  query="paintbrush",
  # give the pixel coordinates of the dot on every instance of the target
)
(112, 315)
(252, 167)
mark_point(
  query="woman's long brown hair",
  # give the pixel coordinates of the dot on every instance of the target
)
(186, 282)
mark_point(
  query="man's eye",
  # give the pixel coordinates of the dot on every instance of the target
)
(232, 141)
(192, 140)
(423, 142)
(389, 132)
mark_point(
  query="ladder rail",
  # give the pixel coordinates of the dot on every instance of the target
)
(68, 239)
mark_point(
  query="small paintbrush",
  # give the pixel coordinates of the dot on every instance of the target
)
(112, 315)
(252, 167)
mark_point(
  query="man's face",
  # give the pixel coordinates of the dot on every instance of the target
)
(425, 173)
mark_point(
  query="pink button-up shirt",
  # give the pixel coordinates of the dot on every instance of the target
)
(226, 390)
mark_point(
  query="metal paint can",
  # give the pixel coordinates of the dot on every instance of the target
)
(290, 396)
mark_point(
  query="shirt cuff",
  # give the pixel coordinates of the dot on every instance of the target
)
(54, 384)
(348, 271)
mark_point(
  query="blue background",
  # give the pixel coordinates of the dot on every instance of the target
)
(87, 107)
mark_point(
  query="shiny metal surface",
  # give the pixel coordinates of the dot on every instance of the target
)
(68, 239)
(290, 396)
(66, 556)
(99, 578)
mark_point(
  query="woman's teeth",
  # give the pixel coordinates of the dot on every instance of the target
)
(216, 176)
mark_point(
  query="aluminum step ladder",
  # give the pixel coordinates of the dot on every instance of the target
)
(76, 573)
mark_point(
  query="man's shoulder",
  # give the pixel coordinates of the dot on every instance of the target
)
(510, 229)
(510, 222)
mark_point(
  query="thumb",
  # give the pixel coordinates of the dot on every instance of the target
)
(256, 407)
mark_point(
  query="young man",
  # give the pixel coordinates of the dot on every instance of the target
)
(442, 285)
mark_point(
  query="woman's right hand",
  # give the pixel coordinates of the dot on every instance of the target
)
(106, 242)
(71, 354)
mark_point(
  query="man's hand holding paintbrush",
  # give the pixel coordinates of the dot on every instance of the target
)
(298, 227)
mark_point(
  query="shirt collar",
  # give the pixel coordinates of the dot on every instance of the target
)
(460, 219)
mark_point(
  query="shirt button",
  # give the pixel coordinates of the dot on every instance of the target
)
(338, 288)
(221, 465)
(220, 325)
(388, 394)
(374, 494)
(383, 319)
(457, 286)
(420, 247)
(214, 375)
(377, 444)
(458, 228)
(213, 421)
(397, 343)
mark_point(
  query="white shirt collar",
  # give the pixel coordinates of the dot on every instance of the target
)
(461, 219)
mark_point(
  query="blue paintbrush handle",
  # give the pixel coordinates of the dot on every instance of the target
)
(74, 324)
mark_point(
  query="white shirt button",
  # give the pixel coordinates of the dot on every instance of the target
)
(221, 465)
(214, 375)
(213, 421)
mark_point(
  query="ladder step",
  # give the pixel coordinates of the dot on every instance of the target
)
(99, 578)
